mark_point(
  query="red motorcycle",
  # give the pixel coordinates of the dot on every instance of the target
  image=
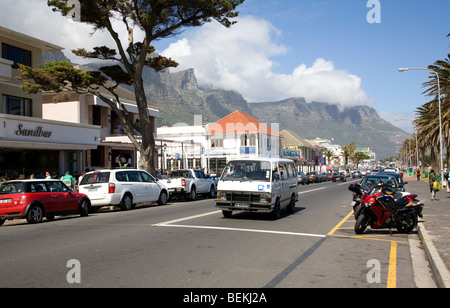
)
(380, 211)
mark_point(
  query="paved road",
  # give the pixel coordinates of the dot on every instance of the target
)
(191, 245)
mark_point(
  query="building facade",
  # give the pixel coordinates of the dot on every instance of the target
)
(28, 142)
(114, 146)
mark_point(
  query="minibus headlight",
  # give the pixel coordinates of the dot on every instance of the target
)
(266, 198)
(221, 196)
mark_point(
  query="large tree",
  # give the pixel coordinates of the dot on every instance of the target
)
(157, 19)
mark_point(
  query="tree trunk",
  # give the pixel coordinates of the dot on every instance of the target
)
(147, 146)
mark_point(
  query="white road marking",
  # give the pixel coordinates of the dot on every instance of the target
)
(308, 191)
(185, 218)
(172, 224)
(244, 230)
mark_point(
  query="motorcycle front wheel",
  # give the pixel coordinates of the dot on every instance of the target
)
(407, 223)
(356, 210)
(362, 223)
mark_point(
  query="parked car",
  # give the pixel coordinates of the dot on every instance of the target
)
(398, 177)
(356, 174)
(313, 177)
(342, 176)
(215, 179)
(372, 180)
(323, 177)
(394, 170)
(124, 188)
(188, 183)
(36, 199)
(334, 176)
(302, 178)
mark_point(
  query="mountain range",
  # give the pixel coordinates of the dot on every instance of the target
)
(180, 98)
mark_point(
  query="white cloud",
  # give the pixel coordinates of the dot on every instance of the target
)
(239, 59)
(35, 18)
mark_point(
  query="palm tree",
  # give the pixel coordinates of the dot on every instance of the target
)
(427, 122)
(349, 151)
(328, 153)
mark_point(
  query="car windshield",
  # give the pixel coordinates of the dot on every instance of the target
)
(397, 176)
(373, 181)
(95, 178)
(246, 171)
(11, 188)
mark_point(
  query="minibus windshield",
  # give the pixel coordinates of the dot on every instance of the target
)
(246, 171)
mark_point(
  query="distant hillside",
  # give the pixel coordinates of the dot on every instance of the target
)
(360, 124)
(180, 98)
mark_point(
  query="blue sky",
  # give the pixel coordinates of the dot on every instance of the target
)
(323, 50)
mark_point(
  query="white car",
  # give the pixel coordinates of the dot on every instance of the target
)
(123, 188)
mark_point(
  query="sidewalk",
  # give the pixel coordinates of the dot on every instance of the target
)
(434, 228)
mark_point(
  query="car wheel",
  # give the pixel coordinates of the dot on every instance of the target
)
(2, 221)
(127, 203)
(276, 213)
(162, 198)
(35, 214)
(84, 208)
(291, 206)
(193, 194)
(212, 192)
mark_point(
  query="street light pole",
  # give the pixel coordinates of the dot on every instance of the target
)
(440, 115)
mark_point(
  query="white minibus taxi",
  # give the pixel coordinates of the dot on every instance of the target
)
(265, 185)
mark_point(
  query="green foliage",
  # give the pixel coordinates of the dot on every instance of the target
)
(57, 77)
(360, 156)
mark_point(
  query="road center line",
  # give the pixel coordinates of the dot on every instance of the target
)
(241, 230)
(185, 218)
(308, 191)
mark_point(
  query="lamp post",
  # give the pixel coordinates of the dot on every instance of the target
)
(440, 116)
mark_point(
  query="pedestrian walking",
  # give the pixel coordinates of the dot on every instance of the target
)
(431, 179)
(418, 175)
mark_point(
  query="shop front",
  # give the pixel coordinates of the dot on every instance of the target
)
(35, 146)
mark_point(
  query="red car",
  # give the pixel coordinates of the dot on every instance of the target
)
(35, 199)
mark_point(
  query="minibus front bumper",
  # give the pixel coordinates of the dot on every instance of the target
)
(245, 201)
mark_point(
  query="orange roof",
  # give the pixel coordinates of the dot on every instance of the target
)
(240, 122)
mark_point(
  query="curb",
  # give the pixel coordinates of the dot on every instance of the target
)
(439, 269)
